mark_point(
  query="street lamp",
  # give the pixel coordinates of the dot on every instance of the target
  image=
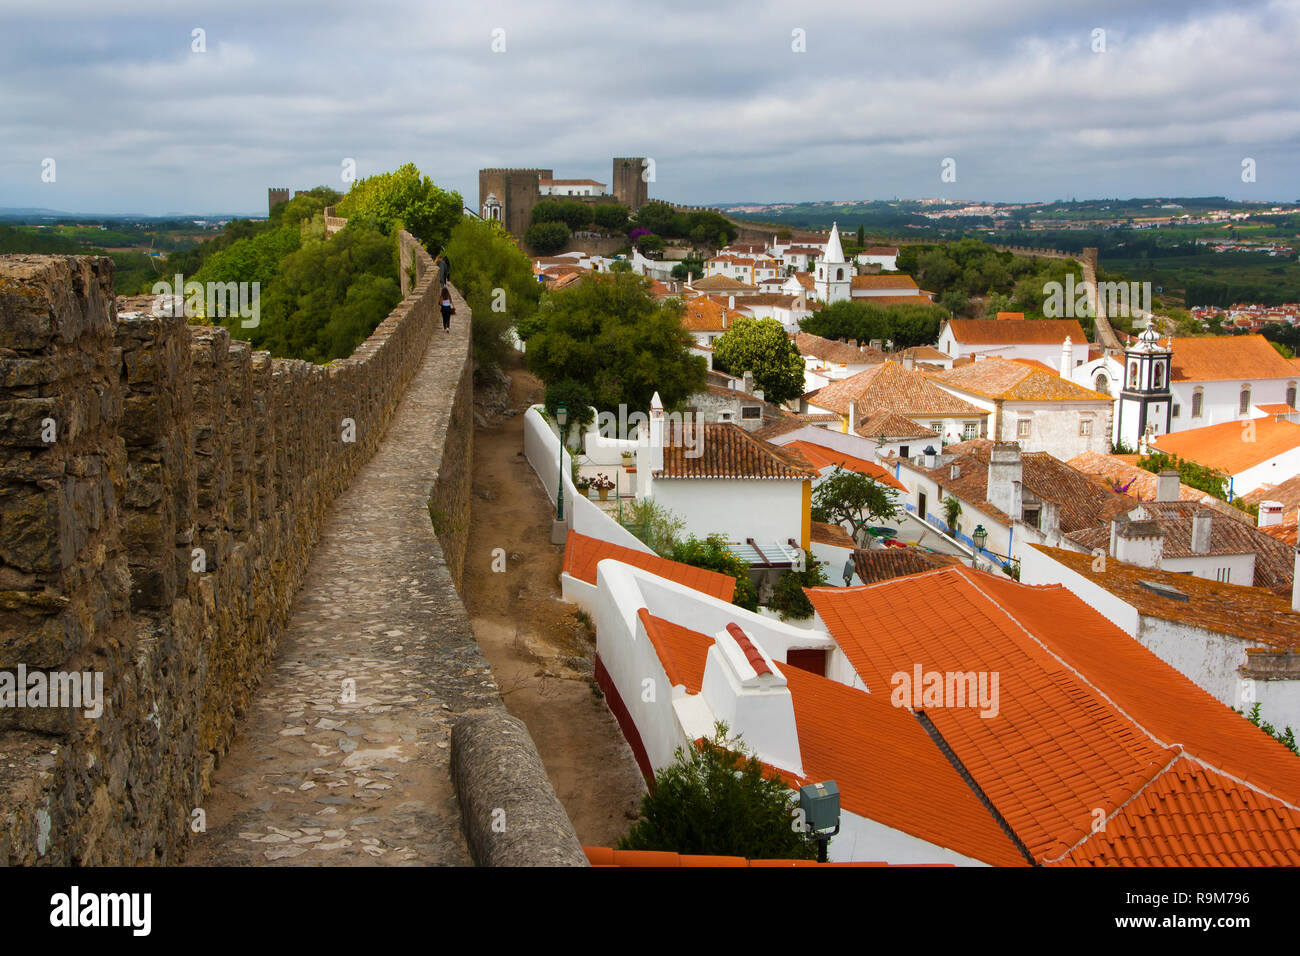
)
(979, 536)
(848, 571)
(561, 419)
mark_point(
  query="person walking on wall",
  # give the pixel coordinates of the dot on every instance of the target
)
(448, 310)
(444, 270)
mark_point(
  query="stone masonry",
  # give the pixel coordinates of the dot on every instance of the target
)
(162, 489)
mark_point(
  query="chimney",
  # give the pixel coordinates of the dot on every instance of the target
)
(743, 687)
(876, 343)
(1136, 539)
(1003, 490)
(931, 457)
(1201, 525)
(656, 433)
(1270, 513)
(748, 379)
(954, 472)
(1167, 483)
(909, 361)
(1067, 357)
(853, 417)
(731, 302)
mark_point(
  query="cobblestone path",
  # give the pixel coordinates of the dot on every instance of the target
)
(343, 759)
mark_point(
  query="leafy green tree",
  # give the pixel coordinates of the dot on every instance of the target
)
(546, 238)
(328, 296)
(690, 266)
(256, 258)
(858, 499)
(1190, 473)
(610, 216)
(717, 799)
(496, 279)
(761, 346)
(608, 332)
(712, 553)
(788, 598)
(407, 199)
(575, 396)
(904, 325)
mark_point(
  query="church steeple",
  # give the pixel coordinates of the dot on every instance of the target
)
(834, 278)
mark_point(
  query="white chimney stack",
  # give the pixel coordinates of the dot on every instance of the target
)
(1202, 522)
(1167, 485)
(853, 417)
(656, 433)
(1067, 357)
(1270, 513)
(744, 688)
(1004, 480)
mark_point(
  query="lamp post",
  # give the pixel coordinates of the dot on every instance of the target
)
(979, 536)
(848, 572)
(561, 419)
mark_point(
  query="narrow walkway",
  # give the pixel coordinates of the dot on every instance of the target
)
(313, 777)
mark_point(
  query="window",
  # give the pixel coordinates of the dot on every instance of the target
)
(1158, 375)
(969, 430)
(1085, 427)
(724, 416)
(1290, 395)
(1224, 575)
(1245, 400)
(1101, 383)
(1132, 374)
(1196, 402)
(936, 427)
(1030, 516)
(839, 275)
(1177, 409)
(902, 452)
(1022, 428)
(751, 412)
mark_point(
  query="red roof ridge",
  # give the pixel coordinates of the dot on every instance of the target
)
(752, 653)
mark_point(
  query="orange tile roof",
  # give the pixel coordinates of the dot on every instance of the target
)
(1140, 484)
(903, 283)
(873, 424)
(1055, 750)
(1002, 331)
(1192, 816)
(890, 387)
(832, 534)
(830, 350)
(721, 283)
(885, 764)
(583, 553)
(896, 299)
(705, 314)
(1221, 358)
(1286, 493)
(1015, 381)
(823, 457)
(1223, 447)
(881, 251)
(883, 564)
(725, 450)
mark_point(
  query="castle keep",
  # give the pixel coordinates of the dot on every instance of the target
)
(509, 195)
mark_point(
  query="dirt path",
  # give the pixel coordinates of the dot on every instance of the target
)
(540, 651)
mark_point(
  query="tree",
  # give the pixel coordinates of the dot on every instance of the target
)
(610, 216)
(717, 799)
(407, 199)
(761, 346)
(862, 237)
(656, 526)
(712, 553)
(855, 498)
(692, 265)
(1190, 473)
(607, 331)
(496, 279)
(547, 238)
(788, 598)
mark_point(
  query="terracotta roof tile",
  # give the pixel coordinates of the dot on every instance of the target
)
(725, 450)
(1226, 357)
(1021, 331)
(832, 534)
(892, 388)
(830, 350)
(884, 564)
(1223, 446)
(873, 424)
(1015, 381)
(903, 283)
(1286, 493)
(1140, 484)
(1251, 613)
(721, 283)
(823, 457)
(885, 764)
(583, 553)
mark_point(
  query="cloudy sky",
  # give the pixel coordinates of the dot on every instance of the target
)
(1020, 93)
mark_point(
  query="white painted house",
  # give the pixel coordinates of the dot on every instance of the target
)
(1039, 340)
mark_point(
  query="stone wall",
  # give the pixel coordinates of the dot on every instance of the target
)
(161, 490)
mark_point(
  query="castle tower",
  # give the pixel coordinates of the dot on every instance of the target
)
(628, 182)
(516, 192)
(1145, 401)
(833, 280)
(274, 196)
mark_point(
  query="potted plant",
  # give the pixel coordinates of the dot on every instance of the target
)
(629, 461)
(582, 484)
(602, 483)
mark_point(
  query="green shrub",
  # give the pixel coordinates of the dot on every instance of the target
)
(788, 598)
(712, 553)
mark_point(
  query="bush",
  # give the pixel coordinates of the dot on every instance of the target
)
(716, 800)
(788, 598)
(496, 279)
(712, 553)
(547, 238)
(655, 526)
(610, 216)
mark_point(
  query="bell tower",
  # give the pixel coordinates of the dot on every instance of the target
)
(1145, 402)
(833, 278)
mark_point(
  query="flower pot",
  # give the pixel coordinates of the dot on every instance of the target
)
(604, 494)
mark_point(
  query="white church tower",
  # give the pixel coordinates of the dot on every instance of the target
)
(1145, 403)
(833, 281)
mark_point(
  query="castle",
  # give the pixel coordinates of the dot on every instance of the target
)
(509, 195)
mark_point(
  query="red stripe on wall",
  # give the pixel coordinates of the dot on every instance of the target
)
(625, 722)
